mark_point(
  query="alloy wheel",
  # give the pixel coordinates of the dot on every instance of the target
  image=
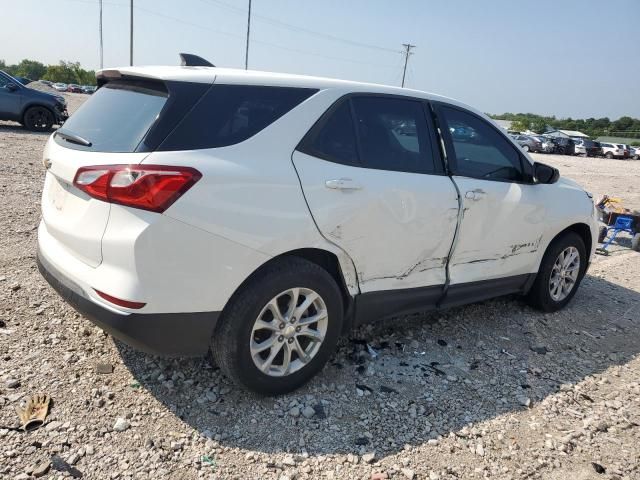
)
(289, 332)
(564, 273)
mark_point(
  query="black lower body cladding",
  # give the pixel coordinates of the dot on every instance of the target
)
(170, 334)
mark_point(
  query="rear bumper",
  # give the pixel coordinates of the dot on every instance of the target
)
(172, 334)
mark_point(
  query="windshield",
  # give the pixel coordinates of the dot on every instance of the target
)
(116, 118)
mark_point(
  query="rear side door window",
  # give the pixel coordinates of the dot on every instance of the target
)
(392, 134)
(376, 132)
(476, 149)
(333, 138)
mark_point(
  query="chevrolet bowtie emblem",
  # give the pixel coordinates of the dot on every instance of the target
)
(47, 163)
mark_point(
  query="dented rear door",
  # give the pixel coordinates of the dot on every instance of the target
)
(384, 199)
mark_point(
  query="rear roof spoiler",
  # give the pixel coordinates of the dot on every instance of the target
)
(190, 60)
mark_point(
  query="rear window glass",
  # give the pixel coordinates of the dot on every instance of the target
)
(117, 117)
(230, 114)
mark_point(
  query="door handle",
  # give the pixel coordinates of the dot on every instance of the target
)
(342, 184)
(474, 195)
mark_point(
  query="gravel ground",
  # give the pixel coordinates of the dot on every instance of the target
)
(492, 390)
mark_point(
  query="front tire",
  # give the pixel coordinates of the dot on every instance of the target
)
(560, 273)
(281, 328)
(38, 119)
(609, 155)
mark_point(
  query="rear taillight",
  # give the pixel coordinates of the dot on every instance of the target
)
(149, 187)
(119, 301)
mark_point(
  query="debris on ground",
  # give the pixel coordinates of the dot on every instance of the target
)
(34, 412)
(104, 368)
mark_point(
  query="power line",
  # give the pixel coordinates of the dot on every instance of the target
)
(296, 28)
(261, 42)
(234, 35)
(407, 53)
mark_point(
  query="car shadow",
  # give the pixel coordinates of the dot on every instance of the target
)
(442, 371)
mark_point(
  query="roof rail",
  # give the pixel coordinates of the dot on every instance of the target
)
(190, 60)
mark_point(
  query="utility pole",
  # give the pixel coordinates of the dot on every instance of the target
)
(101, 43)
(131, 35)
(246, 53)
(407, 52)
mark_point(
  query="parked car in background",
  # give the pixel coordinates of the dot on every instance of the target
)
(88, 89)
(548, 146)
(612, 150)
(598, 146)
(244, 215)
(635, 153)
(586, 147)
(626, 150)
(46, 82)
(34, 109)
(528, 143)
(73, 88)
(61, 87)
(564, 146)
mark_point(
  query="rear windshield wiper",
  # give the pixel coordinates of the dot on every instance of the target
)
(73, 138)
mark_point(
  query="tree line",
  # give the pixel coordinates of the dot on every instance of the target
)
(64, 72)
(594, 127)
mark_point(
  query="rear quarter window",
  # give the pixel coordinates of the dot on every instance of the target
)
(230, 114)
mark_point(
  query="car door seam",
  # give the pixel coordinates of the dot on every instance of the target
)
(460, 215)
(304, 197)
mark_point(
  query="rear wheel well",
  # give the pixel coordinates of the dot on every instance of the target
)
(325, 260)
(329, 262)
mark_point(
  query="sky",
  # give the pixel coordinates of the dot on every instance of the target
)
(569, 58)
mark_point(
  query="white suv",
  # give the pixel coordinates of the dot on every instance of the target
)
(612, 150)
(261, 215)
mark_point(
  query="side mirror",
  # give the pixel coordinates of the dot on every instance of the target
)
(12, 87)
(545, 174)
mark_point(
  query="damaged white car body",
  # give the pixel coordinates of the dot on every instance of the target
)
(260, 214)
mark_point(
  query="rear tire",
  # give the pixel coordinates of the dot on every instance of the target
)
(242, 330)
(635, 242)
(541, 295)
(38, 119)
(609, 155)
(525, 148)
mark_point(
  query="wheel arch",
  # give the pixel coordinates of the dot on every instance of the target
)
(583, 230)
(37, 104)
(328, 261)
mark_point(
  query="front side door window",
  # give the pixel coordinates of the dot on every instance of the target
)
(477, 149)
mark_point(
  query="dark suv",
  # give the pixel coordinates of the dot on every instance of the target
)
(36, 110)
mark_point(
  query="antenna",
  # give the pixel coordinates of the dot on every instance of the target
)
(191, 60)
